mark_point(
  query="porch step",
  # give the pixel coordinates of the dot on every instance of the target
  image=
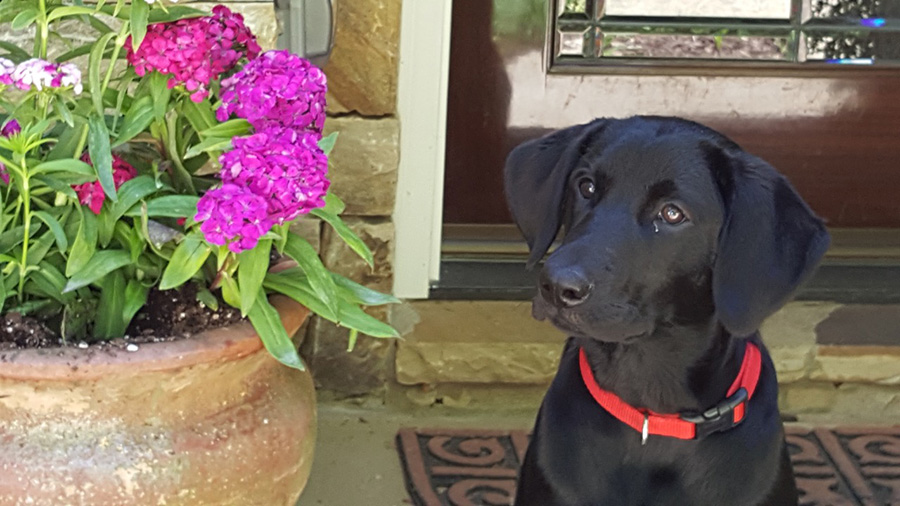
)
(832, 359)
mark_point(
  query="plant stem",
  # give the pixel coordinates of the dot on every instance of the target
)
(44, 28)
(120, 42)
(81, 142)
(26, 217)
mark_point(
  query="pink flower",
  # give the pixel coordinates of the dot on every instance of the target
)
(91, 194)
(11, 127)
(233, 215)
(4, 176)
(284, 166)
(34, 72)
(7, 67)
(276, 89)
(41, 75)
(69, 75)
(195, 51)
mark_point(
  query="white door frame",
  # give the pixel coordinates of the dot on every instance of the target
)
(422, 107)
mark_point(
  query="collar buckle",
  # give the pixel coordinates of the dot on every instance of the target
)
(718, 418)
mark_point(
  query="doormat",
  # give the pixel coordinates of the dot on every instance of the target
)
(846, 466)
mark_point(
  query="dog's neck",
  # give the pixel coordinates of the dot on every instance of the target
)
(673, 371)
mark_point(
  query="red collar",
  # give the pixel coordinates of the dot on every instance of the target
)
(725, 415)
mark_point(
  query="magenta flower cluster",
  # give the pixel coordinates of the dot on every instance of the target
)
(278, 88)
(10, 128)
(195, 51)
(40, 74)
(284, 166)
(279, 172)
(233, 215)
(91, 194)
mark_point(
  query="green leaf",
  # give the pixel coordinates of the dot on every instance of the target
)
(347, 235)
(50, 281)
(359, 294)
(140, 14)
(131, 192)
(186, 260)
(15, 52)
(135, 299)
(94, 81)
(206, 145)
(174, 13)
(109, 322)
(275, 338)
(64, 113)
(326, 144)
(69, 165)
(24, 19)
(100, 264)
(200, 115)
(207, 298)
(351, 339)
(160, 93)
(101, 156)
(62, 184)
(333, 204)
(61, 242)
(85, 242)
(61, 12)
(319, 277)
(40, 248)
(68, 142)
(295, 284)
(168, 206)
(137, 119)
(230, 291)
(252, 267)
(355, 318)
(229, 129)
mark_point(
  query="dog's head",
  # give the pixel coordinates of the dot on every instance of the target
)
(666, 224)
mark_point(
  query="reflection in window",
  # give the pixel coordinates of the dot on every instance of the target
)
(767, 31)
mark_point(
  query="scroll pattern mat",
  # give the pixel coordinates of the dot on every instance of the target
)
(847, 466)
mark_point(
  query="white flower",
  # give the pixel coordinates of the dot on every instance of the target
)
(70, 76)
(6, 67)
(34, 72)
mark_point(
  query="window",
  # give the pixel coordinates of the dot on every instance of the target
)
(786, 33)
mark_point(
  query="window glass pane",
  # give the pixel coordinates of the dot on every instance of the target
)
(768, 9)
(573, 43)
(854, 9)
(719, 46)
(574, 9)
(853, 47)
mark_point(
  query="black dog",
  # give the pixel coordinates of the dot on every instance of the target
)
(677, 245)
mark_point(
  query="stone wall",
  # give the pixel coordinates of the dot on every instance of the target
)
(835, 362)
(362, 106)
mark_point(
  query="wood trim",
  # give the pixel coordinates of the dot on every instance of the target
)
(422, 107)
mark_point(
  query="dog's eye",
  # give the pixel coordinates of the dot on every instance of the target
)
(672, 214)
(586, 187)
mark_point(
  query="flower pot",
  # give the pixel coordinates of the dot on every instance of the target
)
(210, 420)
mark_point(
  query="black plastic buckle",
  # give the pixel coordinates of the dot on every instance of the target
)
(718, 418)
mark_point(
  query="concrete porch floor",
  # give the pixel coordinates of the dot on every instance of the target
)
(355, 461)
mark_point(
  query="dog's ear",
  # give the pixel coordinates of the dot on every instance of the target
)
(535, 179)
(769, 244)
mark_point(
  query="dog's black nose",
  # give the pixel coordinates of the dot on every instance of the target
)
(564, 287)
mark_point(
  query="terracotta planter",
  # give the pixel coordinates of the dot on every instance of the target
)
(212, 420)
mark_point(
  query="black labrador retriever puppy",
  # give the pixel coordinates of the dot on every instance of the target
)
(677, 245)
